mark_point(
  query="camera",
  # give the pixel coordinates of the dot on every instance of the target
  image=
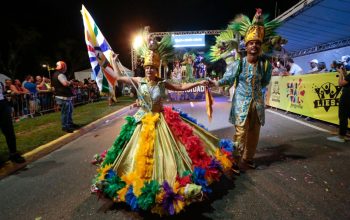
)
(337, 64)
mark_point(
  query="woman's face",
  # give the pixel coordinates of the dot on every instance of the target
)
(17, 82)
(150, 71)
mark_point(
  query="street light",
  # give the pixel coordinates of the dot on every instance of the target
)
(137, 42)
(47, 66)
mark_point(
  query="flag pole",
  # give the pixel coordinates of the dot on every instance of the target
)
(139, 94)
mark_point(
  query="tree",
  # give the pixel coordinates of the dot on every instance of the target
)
(19, 41)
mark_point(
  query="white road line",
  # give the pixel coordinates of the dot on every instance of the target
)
(298, 121)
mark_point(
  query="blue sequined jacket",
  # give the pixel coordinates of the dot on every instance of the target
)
(250, 81)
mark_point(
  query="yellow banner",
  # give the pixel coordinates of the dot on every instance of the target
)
(313, 95)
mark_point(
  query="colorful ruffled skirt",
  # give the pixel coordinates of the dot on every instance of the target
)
(162, 163)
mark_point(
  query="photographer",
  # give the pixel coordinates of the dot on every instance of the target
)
(64, 96)
(334, 65)
(344, 104)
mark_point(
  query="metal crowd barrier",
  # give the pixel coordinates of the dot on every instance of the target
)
(30, 105)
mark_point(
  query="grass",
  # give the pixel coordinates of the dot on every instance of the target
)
(33, 132)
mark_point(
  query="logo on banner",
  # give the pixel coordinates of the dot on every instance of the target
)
(196, 93)
(275, 93)
(328, 96)
(296, 93)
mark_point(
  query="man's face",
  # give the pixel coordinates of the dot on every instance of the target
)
(253, 47)
(38, 78)
(8, 82)
(313, 65)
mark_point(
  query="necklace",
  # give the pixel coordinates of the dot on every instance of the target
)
(151, 83)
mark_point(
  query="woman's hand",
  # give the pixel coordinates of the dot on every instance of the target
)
(203, 83)
(114, 57)
(212, 83)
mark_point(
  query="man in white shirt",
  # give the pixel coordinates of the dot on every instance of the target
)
(295, 69)
(314, 66)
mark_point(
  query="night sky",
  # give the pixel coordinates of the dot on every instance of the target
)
(58, 21)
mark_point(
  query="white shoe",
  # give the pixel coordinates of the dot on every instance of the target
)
(336, 139)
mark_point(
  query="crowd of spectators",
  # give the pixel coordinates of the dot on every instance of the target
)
(32, 97)
(287, 67)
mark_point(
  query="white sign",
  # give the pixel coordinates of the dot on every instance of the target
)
(189, 40)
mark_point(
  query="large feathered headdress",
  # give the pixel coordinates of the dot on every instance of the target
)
(225, 47)
(155, 52)
(259, 29)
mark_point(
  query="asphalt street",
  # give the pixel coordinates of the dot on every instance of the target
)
(301, 175)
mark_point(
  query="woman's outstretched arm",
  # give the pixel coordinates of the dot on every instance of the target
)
(118, 71)
(184, 87)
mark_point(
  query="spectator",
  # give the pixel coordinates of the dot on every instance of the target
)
(19, 88)
(40, 82)
(294, 69)
(24, 95)
(322, 67)
(279, 69)
(333, 66)
(346, 61)
(33, 100)
(64, 96)
(314, 66)
(11, 93)
(30, 85)
(344, 105)
(43, 87)
(6, 126)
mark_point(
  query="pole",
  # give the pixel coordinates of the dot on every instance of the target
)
(132, 59)
(276, 10)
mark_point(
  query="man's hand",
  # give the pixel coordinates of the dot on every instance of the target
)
(341, 70)
(213, 83)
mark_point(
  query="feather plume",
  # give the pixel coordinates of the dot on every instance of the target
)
(148, 195)
(164, 47)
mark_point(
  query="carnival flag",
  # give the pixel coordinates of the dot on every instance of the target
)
(99, 54)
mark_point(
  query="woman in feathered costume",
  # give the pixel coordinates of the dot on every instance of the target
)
(188, 62)
(162, 159)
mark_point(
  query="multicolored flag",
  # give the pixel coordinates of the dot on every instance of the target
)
(99, 54)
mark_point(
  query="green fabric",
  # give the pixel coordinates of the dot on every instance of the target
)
(105, 85)
(124, 136)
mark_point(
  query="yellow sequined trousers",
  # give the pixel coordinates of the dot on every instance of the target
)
(247, 134)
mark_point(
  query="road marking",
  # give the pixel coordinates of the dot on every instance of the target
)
(300, 122)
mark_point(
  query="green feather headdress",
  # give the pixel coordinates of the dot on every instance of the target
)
(164, 48)
(259, 28)
(224, 46)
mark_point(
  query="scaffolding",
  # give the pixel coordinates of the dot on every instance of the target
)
(160, 34)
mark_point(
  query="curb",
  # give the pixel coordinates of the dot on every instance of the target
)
(10, 167)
